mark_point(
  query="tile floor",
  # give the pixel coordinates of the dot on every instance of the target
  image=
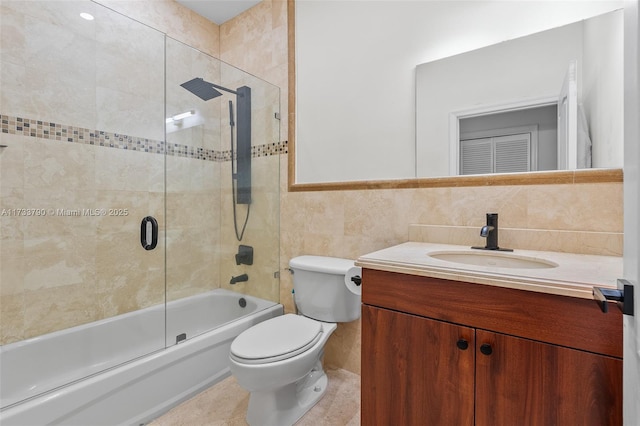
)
(225, 404)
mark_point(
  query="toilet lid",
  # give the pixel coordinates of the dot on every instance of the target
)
(278, 338)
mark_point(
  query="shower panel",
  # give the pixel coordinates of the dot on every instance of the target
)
(243, 170)
(242, 174)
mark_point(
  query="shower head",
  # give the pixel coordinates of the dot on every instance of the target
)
(202, 89)
(205, 90)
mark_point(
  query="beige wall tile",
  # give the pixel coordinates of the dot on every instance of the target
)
(256, 41)
(12, 161)
(584, 207)
(11, 225)
(12, 271)
(123, 280)
(12, 39)
(56, 308)
(173, 19)
(583, 242)
(52, 165)
(12, 317)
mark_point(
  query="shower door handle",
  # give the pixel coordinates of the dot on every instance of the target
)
(149, 233)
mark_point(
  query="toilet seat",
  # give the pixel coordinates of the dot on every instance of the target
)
(276, 339)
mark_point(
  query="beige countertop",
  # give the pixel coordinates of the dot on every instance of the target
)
(574, 275)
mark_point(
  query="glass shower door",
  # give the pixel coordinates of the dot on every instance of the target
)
(81, 164)
(222, 190)
(192, 175)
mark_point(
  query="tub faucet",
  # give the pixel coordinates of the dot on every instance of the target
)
(239, 279)
(490, 232)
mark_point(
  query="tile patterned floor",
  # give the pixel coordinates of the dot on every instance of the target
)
(225, 404)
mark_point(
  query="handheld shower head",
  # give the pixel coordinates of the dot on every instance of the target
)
(231, 120)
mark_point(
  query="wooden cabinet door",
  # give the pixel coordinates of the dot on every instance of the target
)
(414, 372)
(524, 382)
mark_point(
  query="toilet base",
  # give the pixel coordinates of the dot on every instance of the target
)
(286, 405)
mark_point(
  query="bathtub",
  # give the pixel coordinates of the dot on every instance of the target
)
(132, 371)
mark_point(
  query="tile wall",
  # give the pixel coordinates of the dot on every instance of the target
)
(173, 19)
(256, 42)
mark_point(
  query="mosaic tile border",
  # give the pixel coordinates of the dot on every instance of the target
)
(265, 150)
(65, 133)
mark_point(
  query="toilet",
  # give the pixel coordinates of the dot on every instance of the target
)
(279, 360)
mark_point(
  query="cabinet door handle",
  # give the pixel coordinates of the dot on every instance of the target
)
(462, 344)
(486, 349)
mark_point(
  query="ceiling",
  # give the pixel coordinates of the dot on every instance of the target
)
(219, 11)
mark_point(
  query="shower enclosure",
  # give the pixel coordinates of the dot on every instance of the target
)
(116, 183)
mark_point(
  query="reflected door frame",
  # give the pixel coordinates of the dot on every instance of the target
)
(456, 116)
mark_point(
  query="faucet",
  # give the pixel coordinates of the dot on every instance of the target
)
(239, 279)
(490, 232)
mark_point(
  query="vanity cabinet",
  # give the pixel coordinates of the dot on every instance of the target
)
(441, 352)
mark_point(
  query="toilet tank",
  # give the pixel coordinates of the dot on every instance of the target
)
(321, 291)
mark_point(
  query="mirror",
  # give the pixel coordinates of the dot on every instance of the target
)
(500, 111)
(353, 116)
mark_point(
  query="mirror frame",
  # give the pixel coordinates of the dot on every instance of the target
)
(556, 177)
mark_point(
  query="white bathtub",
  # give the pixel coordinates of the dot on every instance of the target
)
(53, 379)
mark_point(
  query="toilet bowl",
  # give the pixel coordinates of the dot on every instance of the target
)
(285, 377)
(279, 360)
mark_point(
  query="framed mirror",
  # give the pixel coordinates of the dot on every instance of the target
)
(352, 120)
(552, 100)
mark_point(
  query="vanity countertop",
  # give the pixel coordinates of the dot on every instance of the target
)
(574, 276)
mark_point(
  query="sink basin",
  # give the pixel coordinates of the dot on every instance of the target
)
(492, 259)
